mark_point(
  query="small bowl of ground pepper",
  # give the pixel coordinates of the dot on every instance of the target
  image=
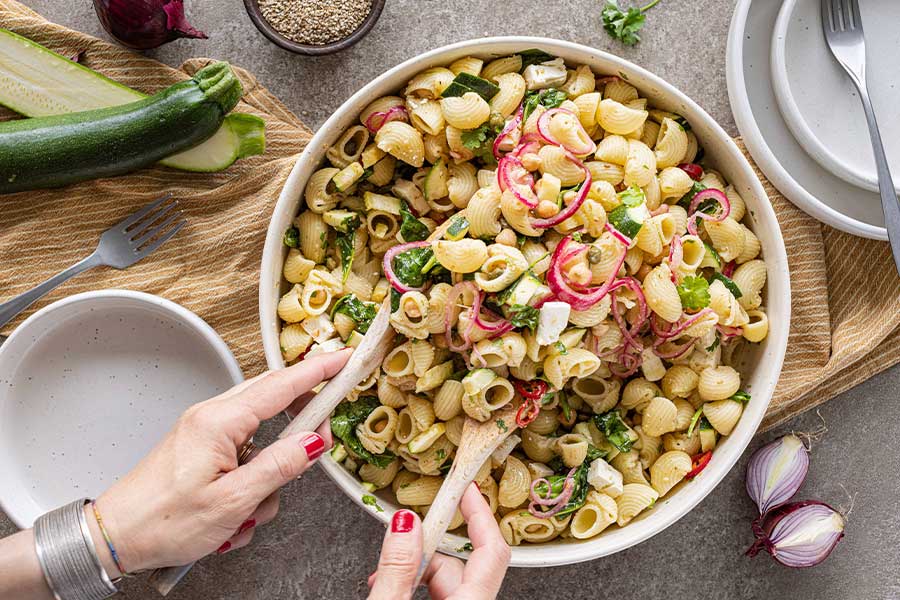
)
(314, 27)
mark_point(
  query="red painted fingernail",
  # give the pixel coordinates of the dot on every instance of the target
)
(403, 521)
(224, 548)
(248, 524)
(314, 446)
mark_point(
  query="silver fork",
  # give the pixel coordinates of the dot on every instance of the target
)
(120, 246)
(844, 33)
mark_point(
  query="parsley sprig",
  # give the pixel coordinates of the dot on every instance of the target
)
(624, 26)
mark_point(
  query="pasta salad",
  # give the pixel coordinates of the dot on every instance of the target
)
(549, 239)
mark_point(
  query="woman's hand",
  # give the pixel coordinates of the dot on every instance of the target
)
(189, 497)
(447, 578)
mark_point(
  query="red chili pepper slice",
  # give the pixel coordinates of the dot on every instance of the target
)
(693, 170)
(531, 390)
(528, 412)
(698, 463)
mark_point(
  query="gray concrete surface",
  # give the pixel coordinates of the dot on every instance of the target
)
(321, 546)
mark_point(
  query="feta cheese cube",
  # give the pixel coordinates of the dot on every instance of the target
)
(332, 345)
(549, 74)
(604, 478)
(319, 327)
(553, 318)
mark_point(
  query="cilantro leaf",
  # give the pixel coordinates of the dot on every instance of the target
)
(548, 98)
(624, 26)
(411, 228)
(522, 315)
(694, 292)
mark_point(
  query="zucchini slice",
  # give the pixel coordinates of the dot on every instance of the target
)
(37, 82)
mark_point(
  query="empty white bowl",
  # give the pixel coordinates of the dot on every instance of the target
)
(764, 363)
(89, 384)
(819, 102)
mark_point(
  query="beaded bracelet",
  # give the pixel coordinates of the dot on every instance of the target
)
(108, 540)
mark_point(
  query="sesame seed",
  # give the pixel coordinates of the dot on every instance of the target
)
(315, 22)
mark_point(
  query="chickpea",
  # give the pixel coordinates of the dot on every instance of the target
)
(546, 209)
(531, 161)
(507, 237)
(642, 272)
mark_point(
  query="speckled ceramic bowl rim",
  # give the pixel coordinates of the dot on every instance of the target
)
(727, 157)
(172, 310)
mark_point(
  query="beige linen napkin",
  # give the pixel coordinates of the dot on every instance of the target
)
(845, 315)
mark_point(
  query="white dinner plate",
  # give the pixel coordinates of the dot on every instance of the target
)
(89, 385)
(801, 179)
(819, 102)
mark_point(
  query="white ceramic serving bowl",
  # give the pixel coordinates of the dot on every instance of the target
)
(722, 152)
(89, 385)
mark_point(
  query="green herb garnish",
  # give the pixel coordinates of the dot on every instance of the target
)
(522, 315)
(741, 396)
(548, 98)
(624, 26)
(370, 500)
(561, 348)
(694, 292)
(715, 344)
(694, 420)
(501, 425)
(291, 237)
(467, 547)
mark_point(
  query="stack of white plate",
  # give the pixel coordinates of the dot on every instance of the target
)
(800, 116)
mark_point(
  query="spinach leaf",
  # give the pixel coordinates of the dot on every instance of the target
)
(685, 201)
(346, 417)
(346, 250)
(411, 228)
(409, 265)
(363, 313)
(741, 396)
(615, 430)
(395, 300)
(522, 315)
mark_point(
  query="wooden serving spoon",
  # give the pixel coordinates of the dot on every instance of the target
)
(478, 441)
(374, 347)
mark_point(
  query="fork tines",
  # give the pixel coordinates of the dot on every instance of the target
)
(148, 228)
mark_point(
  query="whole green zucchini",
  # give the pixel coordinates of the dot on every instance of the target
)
(54, 151)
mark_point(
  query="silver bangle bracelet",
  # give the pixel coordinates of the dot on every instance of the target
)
(68, 556)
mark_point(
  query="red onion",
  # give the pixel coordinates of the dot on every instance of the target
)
(728, 269)
(563, 291)
(529, 144)
(455, 292)
(694, 213)
(557, 503)
(507, 129)
(799, 534)
(379, 119)
(693, 170)
(387, 265)
(729, 332)
(776, 471)
(572, 208)
(145, 24)
(676, 255)
(587, 145)
(497, 327)
(513, 176)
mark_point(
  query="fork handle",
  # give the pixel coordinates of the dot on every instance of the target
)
(889, 203)
(11, 308)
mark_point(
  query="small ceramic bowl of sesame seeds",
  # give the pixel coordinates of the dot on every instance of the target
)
(314, 27)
